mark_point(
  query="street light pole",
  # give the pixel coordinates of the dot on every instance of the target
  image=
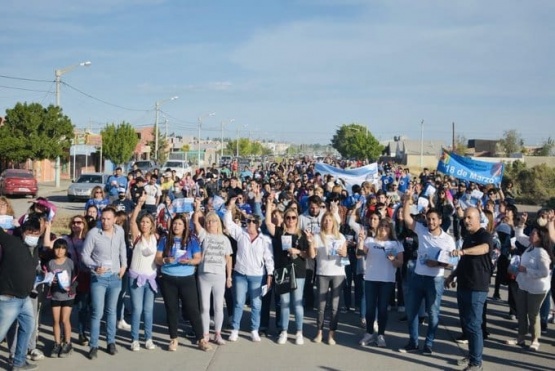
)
(58, 74)
(157, 109)
(222, 138)
(199, 126)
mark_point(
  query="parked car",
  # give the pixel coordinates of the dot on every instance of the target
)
(18, 182)
(144, 165)
(225, 160)
(181, 167)
(82, 187)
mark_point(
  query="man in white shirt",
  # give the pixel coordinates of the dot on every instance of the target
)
(153, 193)
(428, 279)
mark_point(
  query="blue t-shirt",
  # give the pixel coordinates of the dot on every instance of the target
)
(177, 269)
(404, 182)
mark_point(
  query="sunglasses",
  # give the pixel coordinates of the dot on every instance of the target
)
(292, 217)
(252, 221)
(77, 222)
(98, 192)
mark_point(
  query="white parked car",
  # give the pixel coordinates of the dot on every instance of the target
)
(82, 187)
(181, 167)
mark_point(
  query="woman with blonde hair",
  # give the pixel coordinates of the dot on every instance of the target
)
(7, 214)
(214, 273)
(329, 247)
(98, 199)
(290, 246)
(142, 274)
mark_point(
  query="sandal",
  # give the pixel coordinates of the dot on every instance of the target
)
(173, 345)
(204, 345)
(518, 342)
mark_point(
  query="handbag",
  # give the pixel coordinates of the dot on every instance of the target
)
(285, 280)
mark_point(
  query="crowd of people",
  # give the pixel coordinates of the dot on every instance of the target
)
(281, 236)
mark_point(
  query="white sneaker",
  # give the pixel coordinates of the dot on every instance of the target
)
(149, 344)
(234, 335)
(35, 355)
(381, 341)
(282, 337)
(299, 339)
(122, 325)
(367, 339)
(255, 337)
(135, 346)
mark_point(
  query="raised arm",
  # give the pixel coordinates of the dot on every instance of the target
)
(196, 218)
(233, 229)
(135, 232)
(268, 219)
(410, 223)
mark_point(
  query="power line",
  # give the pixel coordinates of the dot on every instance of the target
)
(23, 79)
(103, 101)
(33, 90)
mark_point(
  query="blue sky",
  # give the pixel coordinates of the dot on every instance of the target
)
(289, 69)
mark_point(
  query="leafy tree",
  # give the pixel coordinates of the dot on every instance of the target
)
(355, 141)
(461, 144)
(511, 142)
(34, 132)
(119, 142)
(547, 147)
(162, 147)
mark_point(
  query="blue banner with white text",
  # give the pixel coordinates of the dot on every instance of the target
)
(466, 168)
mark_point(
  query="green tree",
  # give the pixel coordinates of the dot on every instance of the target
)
(461, 144)
(119, 142)
(355, 141)
(547, 147)
(244, 146)
(34, 132)
(511, 142)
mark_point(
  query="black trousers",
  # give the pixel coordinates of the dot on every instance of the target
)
(175, 289)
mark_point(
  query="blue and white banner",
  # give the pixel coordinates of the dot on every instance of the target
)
(465, 168)
(350, 177)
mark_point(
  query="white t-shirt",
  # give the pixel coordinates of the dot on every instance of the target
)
(428, 248)
(215, 248)
(152, 191)
(378, 266)
(328, 263)
(144, 251)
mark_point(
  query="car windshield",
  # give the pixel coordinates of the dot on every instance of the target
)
(90, 179)
(19, 175)
(174, 164)
(143, 164)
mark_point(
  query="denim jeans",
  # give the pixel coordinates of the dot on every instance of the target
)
(545, 309)
(252, 285)
(471, 305)
(360, 297)
(430, 289)
(411, 264)
(12, 309)
(142, 303)
(333, 285)
(377, 296)
(295, 299)
(120, 310)
(104, 297)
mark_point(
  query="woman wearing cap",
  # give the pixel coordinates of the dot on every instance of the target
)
(290, 247)
(254, 254)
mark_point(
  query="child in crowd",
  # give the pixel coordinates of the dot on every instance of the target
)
(61, 297)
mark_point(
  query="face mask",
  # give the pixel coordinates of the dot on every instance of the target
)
(31, 241)
(542, 222)
(122, 197)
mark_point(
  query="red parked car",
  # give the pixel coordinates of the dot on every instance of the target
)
(14, 182)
